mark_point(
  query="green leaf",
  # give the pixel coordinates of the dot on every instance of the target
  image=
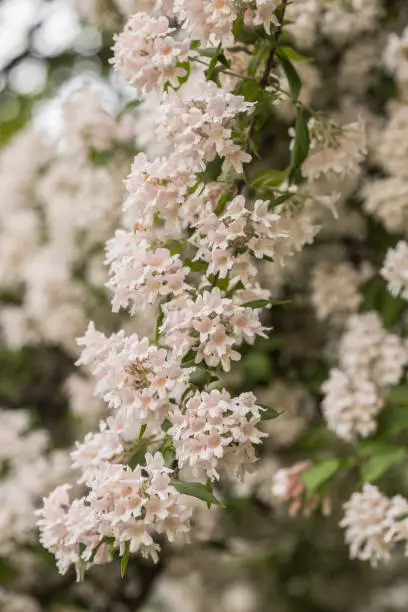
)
(159, 322)
(125, 559)
(257, 367)
(183, 79)
(236, 27)
(302, 142)
(196, 266)
(295, 84)
(250, 90)
(202, 377)
(196, 489)
(377, 465)
(222, 283)
(100, 157)
(219, 209)
(294, 55)
(211, 74)
(256, 304)
(268, 414)
(317, 475)
(398, 395)
(142, 432)
(265, 303)
(269, 178)
(188, 358)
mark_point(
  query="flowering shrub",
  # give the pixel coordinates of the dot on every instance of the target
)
(254, 351)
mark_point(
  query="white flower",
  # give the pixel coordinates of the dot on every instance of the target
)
(369, 352)
(200, 124)
(129, 371)
(334, 150)
(139, 273)
(288, 486)
(146, 55)
(395, 269)
(350, 404)
(387, 199)
(365, 521)
(335, 290)
(210, 325)
(216, 428)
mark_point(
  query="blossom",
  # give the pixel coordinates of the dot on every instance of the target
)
(221, 238)
(334, 149)
(351, 404)
(200, 125)
(395, 56)
(127, 506)
(210, 326)
(216, 430)
(158, 188)
(368, 351)
(365, 521)
(387, 200)
(335, 289)
(395, 269)
(212, 20)
(146, 55)
(130, 371)
(139, 274)
(288, 486)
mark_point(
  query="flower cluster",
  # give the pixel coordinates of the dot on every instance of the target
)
(221, 238)
(216, 430)
(335, 150)
(395, 270)
(209, 326)
(212, 20)
(125, 508)
(374, 523)
(198, 221)
(201, 125)
(139, 274)
(370, 360)
(146, 55)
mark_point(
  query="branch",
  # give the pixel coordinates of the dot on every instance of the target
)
(268, 67)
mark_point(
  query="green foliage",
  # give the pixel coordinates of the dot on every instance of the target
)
(268, 414)
(196, 489)
(301, 144)
(125, 558)
(290, 71)
(382, 457)
(319, 474)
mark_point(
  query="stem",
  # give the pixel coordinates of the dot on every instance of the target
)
(268, 67)
(225, 71)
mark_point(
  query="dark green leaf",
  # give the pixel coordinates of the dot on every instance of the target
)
(294, 55)
(398, 395)
(188, 357)
(377, 465)
(196, 489)
(317, 475)
(219, 209)
(269, 178)
(294, 81)
(125, 559)
(269, 413)
(256, 304)
(159, 322)
(196, 266)
(301, 145)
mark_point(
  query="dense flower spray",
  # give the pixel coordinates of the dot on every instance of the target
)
(193, 229)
